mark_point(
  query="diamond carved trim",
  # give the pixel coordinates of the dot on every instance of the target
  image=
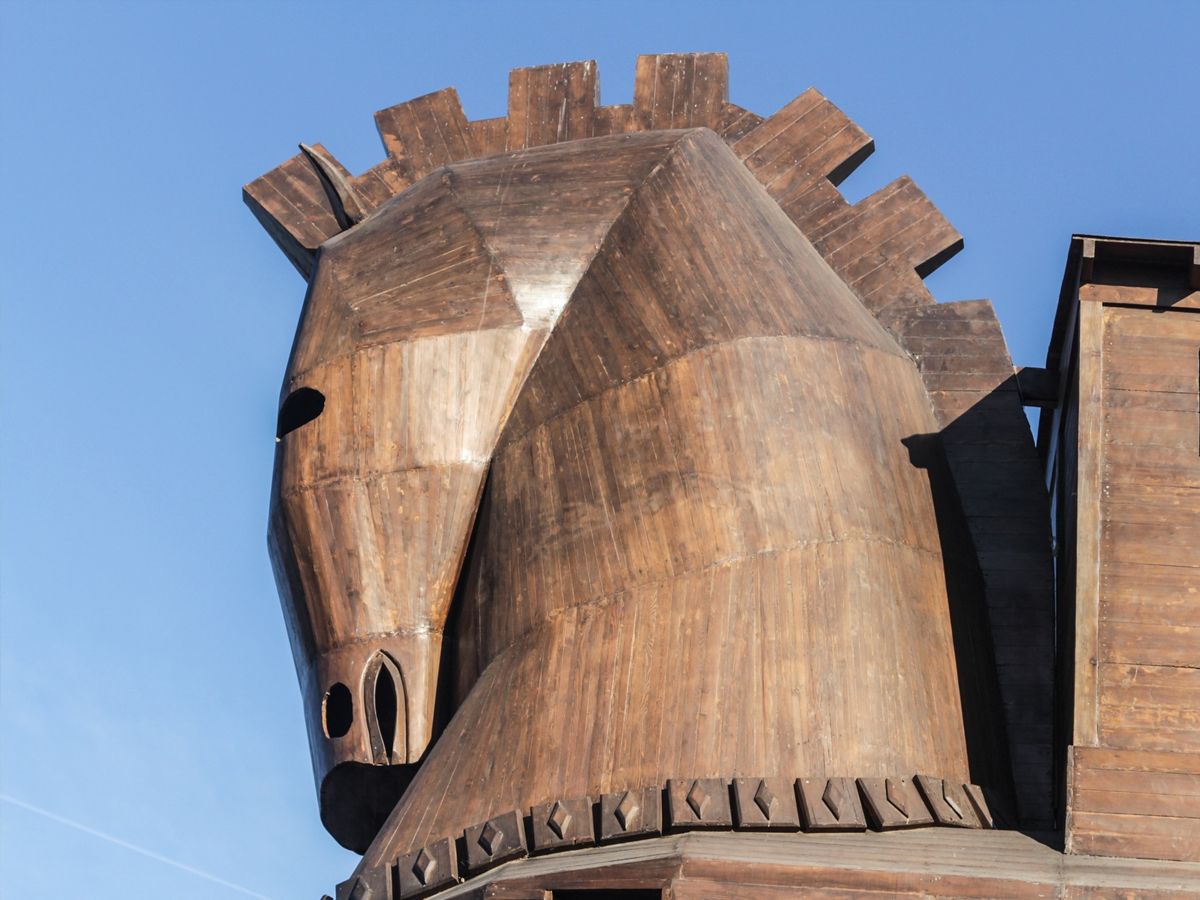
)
(949, 802)
(429, 868)
(561, 824)
(814, 804)
(893, 803)
(699, 803)
(830, 804)
(765, 803)
(629, 814)
(497, 840)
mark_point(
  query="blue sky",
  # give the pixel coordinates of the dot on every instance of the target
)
(146, 688)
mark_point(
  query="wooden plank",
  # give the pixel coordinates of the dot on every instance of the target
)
(1148, 643)
(425, 133)
(291, 204)
(1086, 730)
(736, 122)
(551, 104)
(489, 136)
(1154, 837)
(681, 90)
(881, 243)
(1136, 761)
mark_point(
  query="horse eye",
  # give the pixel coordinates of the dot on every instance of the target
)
(301, 407)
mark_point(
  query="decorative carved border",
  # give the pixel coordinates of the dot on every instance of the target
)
(682, 804)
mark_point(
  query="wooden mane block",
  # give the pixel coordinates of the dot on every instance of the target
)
(551, 104)
(800, 154)
(426, 133)
(680, 90)
(290, 202)
(886, 243)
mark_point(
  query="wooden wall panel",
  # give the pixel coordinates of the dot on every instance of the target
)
(1135, 774)
(1149, 610)
(1131, 803)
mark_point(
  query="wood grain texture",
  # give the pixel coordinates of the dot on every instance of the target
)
(419, 329)
(920, 863)
(696, 496)
(632, 548)
(1127, 478)
(1130, 803)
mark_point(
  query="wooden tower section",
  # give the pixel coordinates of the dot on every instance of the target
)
(1124, 466)
(639, 517)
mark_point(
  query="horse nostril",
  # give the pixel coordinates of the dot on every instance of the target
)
(301, 407)
(337, 711)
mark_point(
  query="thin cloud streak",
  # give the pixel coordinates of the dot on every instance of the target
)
(79, 826)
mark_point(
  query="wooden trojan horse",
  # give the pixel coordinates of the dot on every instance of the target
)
(639, 516)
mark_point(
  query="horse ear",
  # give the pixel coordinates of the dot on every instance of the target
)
(347, 207)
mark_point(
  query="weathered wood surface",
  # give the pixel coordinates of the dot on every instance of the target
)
(983, 864)
(731, 525)
(634, 550)
(1134, 803)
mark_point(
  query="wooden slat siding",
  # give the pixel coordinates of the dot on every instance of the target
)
(1140, 453)
(680, 90)
(292, 206)
(489, 136)
(1149, 613)
(1131, 803)
(879, 244)
(736, 122)
(551, 104)
(962, 356)
(581, 193)
(425, 133)
(1175, 297)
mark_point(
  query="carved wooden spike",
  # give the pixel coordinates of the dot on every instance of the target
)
(632, 813)
(830, 805)
(683, 90)
(893, 803)
(426, 133)
(427, 869)
(883, 245)
(551, 104)
(339, 187)
(698, 803)
(291, 204)
(765, 803)
(561, 824)
(497, 840)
